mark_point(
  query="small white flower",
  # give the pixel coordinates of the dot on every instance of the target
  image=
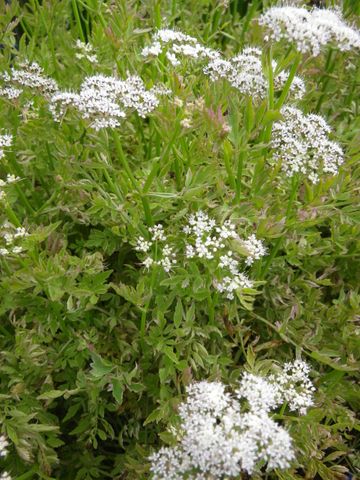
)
(158, 233)
(255, 248)
(302, 145)
(5, 476)
(20, 232)
(245, 73)
(172, 59)
(5, 141)
(186, 123)
(295, 386)
(8, 237)
(85, 50)
(105, 100)
(168, 258)
(142, 245)
(310, 30)
(10, 93)
(11, 178)
(148, 262)
(3, 446)
(29, 75)
(221, 434)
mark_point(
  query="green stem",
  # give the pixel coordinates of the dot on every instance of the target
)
(229, 172)
(265, 135)
(163, 159)
(293, 192)
(24, 200)
(6, 266)
(211, 309)
(11, 215)
(239, 176)
(329, 67)
(177, 173)
(112, 185)
(288, 82)
(146, 309)
(125, 164)
(270, 80)
(78, 20)
(283, 408)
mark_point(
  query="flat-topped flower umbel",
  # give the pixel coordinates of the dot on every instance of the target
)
(310, 30)
(222, 434)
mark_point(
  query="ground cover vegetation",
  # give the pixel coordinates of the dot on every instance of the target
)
(179, 240)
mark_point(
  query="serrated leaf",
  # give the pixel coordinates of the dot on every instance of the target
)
(117, 390)
(179, 313)
(51, 394)
(168, 351)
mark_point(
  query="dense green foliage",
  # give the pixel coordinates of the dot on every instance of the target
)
(95, 349)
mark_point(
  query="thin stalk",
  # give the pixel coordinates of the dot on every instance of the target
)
(122, 158)
(112, 185)
(96, 12)
(177, 173)
(229, 172)
(78, 20)
(266, 133)
(124, 161)
(211, 309)
(239, 175)
(157, 14)
(24, 200)
(288, 82)
(7, 270)
(283, 408)
(161, 160)
(146, 309)
(11, 215)
(269, 259)
(329, 67)
(270, 80)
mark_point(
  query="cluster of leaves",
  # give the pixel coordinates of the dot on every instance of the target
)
(96, 351)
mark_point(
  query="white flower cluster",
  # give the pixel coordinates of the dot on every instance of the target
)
(85, 51)
(255, 248)
(302, 145)
(177, 44)
(295, 386)
(223, 434)
(3, 446)
(3, 453)
(104, 100)
(11, 236)
(245, 73)
(29, 75)
(3, 183)
(5, 141)
(5, 476)
(208, 237)
(310, 30)
(164, 254)
(207, 241)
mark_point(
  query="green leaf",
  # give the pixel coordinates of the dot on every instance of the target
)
(179, 313)
(51, 394)
(100, 367)
(155, 416)
(168, 351)
(117, 390)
